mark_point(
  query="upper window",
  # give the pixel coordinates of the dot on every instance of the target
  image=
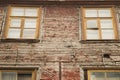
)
(104, 75)
(99, 24)
(23, 23)
(2, 11)
(17, 75)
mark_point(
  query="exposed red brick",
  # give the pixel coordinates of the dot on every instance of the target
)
(71, 74)
(50, 72)
(61, 29)
(61, 12)
(59, 44)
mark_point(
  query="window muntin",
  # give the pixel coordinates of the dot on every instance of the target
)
(17, 75)
(103, 74)
(99, 24)
(24, 23)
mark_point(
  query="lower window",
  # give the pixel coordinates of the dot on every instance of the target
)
(17, 75)
(104, 75)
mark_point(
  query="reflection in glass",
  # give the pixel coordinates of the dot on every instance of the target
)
(24, 76)
(104, 13)
(31, 12)
(92, 34)
(107, 34)
(29, 33)
(106, 24)
(97, 76)
(13, 33)
(30, 23)
(15, 23)
(9, 76)
(91, 13)
(17, 12)
(113, 75)
(91, 23)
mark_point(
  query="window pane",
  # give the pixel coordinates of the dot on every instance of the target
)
(97, 76)
(91, 13)
(15, 23)
(30, 23)
(14, 33)
(17, 12)
(92, 24)
(104, 13)
(31, 11)
(92, 34)
(24, 76)
(9, 76)
(29, 33)
(106, 24)
(113, 75)
(107, 34)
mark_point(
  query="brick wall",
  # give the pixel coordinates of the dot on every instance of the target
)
(59, 51)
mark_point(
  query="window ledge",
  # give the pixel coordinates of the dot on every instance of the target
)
(20, 40)
(99, 41)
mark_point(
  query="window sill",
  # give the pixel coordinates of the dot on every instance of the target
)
(21, 40)
(99, 41)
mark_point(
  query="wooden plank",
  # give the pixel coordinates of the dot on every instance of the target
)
(76, 2)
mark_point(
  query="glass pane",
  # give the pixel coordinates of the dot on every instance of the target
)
(106, 24)
(107, 34)
(9, 76)
(30, 23)
(29, 33)
(24, 76)
(17, 12)
(15, 23)
(91, 23)
(113, 75)
(91, 13)
(92, 34)
(104, 13)
(97, 76)
(31, 11)
(14, 33)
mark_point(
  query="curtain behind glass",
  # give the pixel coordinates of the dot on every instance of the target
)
(97, 76)
(9, 76)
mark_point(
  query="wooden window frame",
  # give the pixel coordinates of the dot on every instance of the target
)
(104, 71)
(113, 18)
(22, 18)
(32, 72)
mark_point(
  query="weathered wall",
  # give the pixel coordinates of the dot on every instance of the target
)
(60, 53)
(1, 17)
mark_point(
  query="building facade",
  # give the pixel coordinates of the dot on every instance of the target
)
(60, 40)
